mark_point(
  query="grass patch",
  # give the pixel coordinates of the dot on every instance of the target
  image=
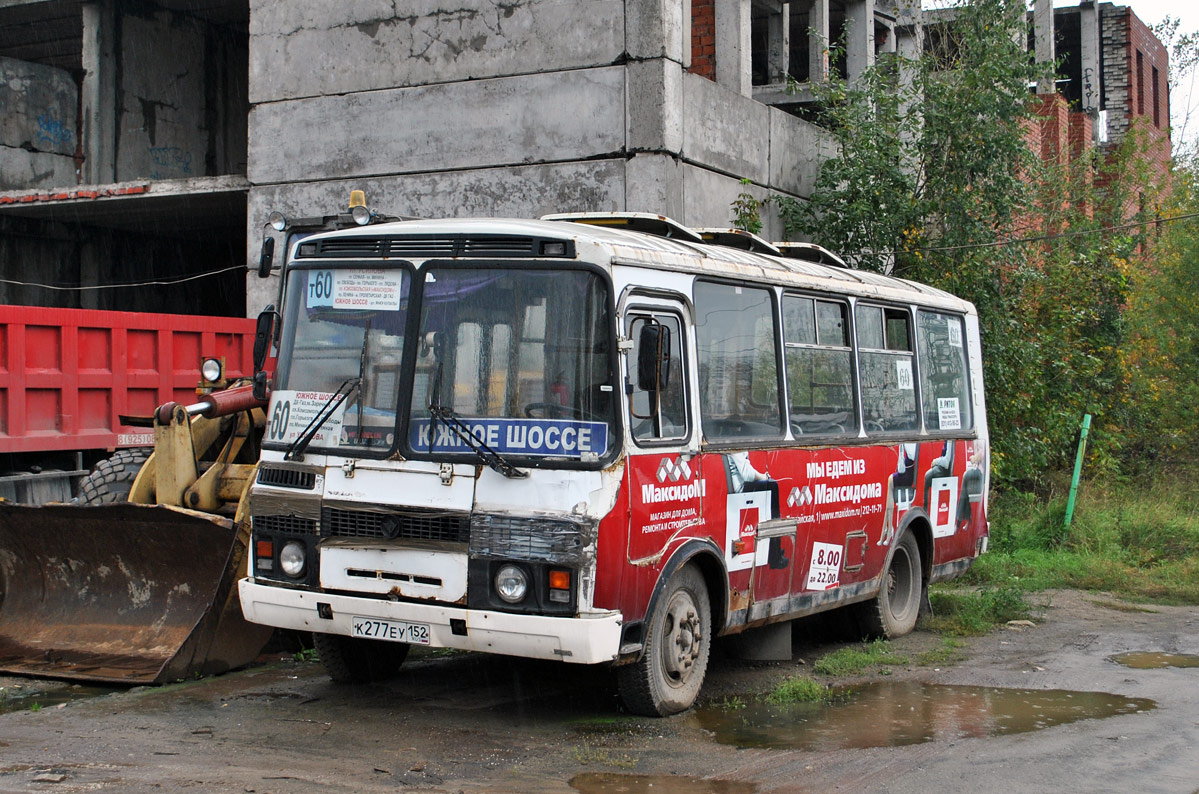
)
(950, 650)
(967, 613)
(856, 659)
(730, 703)
(1133, 541)
(799, 689)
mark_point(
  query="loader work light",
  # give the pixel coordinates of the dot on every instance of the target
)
(212, 370)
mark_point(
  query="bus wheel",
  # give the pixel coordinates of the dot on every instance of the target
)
(667, 677)
(894, 610)
(350, 660)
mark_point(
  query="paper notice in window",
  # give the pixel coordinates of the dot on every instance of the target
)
(903, 374)
(948, 415)
(955, 332)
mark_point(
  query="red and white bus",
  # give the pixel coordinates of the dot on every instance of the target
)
(601, 439)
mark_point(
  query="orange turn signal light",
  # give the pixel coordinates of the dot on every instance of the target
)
(265, 548)
(559, 580)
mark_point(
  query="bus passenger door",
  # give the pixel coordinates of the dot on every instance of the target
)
(665, 481)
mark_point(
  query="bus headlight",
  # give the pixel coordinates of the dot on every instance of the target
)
(291, 558)
(512, 583)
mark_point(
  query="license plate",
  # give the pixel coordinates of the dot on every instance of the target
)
(392, 630)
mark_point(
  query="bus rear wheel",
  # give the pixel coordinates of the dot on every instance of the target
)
(894, 610)
(350, 660)
(668, 676)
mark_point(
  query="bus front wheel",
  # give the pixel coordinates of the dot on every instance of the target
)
(667, 677)
(894, 610)
(349, 660)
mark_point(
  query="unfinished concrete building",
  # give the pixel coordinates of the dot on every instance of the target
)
(150, 139)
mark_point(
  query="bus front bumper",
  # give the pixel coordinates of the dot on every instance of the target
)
(581, 640)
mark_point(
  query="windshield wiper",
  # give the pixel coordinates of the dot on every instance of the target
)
(296, 450)
(485, 453)
(366, 335)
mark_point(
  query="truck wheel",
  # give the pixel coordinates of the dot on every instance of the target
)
(894, 610)
(350, 660)
(668, 676)
(112, 478)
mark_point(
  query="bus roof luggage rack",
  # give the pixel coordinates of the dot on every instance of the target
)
(644, 222)
(738, 238)
(810, 252)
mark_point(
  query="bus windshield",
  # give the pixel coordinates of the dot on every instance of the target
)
(520, 357)
(341, 357)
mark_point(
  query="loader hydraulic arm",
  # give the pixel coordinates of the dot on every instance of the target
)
(204, 453)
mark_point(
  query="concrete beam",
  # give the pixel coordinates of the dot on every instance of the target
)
(304, 48)
(479, 123)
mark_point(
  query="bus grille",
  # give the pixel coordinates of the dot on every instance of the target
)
(287, 478)
(517, 538)
(292, 524)
(337, 523)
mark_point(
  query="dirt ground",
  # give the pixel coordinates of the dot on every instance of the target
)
(474, 723)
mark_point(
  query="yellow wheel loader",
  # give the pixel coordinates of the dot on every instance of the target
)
(135, 581)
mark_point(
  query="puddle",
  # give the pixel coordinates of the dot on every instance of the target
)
(615, 783)
(1155, 660)
(891, 714)
(31, 698)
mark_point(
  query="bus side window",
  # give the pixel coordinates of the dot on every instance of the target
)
(660, 416)
(886, 369)
(819, 364)
(738, 362)
(944, 385)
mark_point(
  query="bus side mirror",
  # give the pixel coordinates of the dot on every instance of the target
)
(264, 332)
(267, 258)
(653, 357)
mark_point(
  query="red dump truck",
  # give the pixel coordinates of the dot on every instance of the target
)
(67, 376)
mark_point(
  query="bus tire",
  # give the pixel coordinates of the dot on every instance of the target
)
(893, 612)
(668, 676)
(112, 478)
(351, 660)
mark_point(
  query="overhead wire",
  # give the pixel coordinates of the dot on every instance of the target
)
(156, 283)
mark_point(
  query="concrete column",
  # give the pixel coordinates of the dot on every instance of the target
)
(733, 68)
(778, 54)
(658, 29)
(1088, 20)
(99, 92)
(859, 37)
(818, 41)
(909, 45)
(1042, 22)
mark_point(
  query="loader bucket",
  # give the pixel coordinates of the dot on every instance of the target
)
(122, 593)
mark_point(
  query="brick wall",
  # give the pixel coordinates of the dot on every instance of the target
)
(703, 38)
(1132, 58)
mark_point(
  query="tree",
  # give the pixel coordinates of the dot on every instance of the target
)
(936, 180)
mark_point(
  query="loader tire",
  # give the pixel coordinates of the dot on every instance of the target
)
(112, 478)
(350, 660)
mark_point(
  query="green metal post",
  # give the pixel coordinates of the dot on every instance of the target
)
(1082, 451)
